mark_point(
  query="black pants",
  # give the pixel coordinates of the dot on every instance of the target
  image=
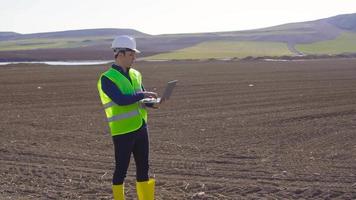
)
(136, 142)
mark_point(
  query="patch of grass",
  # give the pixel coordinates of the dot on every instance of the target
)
(345, 43)
(226, 49)
(49, 43)
(28, 45)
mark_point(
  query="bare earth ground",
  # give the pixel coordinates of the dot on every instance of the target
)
(239, 130)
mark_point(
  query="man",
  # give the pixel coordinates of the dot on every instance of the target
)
(121, 89)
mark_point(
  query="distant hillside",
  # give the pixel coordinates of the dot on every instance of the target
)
(301, 38)
(318, 37)
(345, 22)
(72, 34)
(8, 34)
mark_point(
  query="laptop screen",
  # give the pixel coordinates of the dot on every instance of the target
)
(169, 89)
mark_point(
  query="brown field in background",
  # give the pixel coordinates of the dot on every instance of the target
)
(232, 130)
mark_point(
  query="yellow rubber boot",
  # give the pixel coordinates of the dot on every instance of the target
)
(118, 192)
(146, 190)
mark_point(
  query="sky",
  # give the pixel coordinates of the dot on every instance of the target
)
(163, 16)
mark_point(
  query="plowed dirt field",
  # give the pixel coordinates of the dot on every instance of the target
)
(232, 130)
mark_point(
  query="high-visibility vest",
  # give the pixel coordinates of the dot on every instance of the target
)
(128, 118)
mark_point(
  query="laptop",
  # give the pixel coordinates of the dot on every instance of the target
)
(166, 94)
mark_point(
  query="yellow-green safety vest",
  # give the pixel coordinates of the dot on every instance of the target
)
(128, 118)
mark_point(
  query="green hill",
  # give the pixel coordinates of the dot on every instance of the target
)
(345, 43)
(226, 49)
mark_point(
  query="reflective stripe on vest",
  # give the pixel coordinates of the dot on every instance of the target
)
(124, 116)
(108, 105)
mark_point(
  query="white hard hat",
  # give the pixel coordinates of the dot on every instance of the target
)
(123, 42)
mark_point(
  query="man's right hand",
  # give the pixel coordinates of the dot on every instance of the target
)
(147, 94)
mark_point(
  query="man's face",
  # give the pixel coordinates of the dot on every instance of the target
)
(128, 58)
